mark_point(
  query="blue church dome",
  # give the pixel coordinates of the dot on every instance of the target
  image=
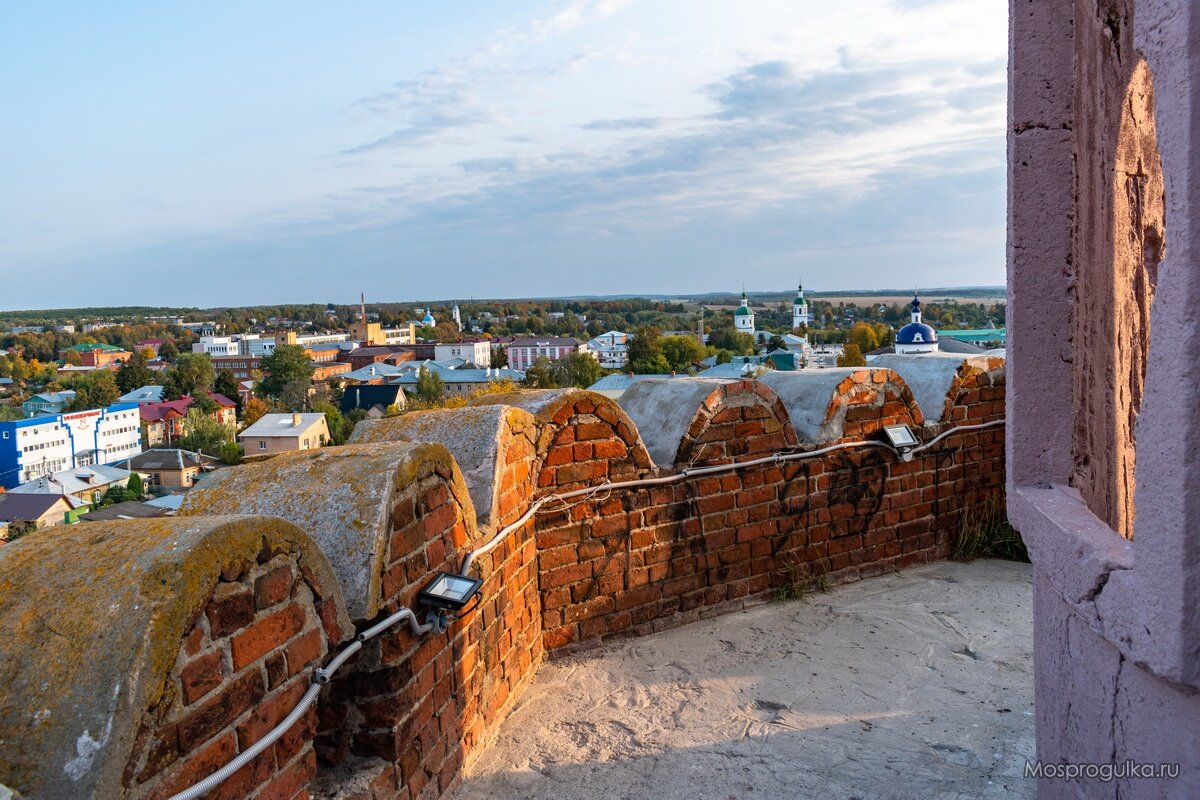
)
(916, 333)
(428, 319)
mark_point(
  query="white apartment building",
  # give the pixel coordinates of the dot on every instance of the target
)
(477, 352)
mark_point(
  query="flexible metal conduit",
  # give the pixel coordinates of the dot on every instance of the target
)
(321, 676)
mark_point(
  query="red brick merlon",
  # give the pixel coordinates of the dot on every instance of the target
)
(366, 505)
(140, 654)
(584, 438)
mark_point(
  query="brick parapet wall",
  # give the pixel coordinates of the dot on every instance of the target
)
(403, 716)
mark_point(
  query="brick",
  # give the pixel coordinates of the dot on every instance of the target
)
(238, 696)
(230, 613)
(200, 676)
(274, 587)
(304, 651)
(198, 767)
(266, 634)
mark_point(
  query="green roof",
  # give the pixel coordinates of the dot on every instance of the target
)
(742, 311)
(975, 335)
(83, 348)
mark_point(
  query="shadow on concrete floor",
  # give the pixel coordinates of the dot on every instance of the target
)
(916, 685)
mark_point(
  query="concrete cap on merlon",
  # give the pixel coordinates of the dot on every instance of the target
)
(807, 395)
(476, 436)
(342, 496)
(663, 410)
(92, 617)
(929, 376)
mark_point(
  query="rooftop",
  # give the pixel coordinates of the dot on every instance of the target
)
(282, 425)
(920, 681)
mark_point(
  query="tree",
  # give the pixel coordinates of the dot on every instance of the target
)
(339, 426)
(728, 338)
(682, 352)
(192, 373)
(578, 369)
(851, 357)
(230, 453)
(776, 342)
(540, 375)
(294, 395)
(499, 357)
(657, 365)
(168, 351)
(204, 434)
(134, 374)
(227, 385)
(73, 358)
(645, 345)
(287, 364)
(864, 336)
(96, 389)
(135, 485)
(253, 411)
(430, 386)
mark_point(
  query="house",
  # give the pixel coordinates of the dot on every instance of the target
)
(166, 422)
(243, 367)
(379, 373)
(47, 403)
(143, 396)
(97, 355)
(280, 433)
(372, 398)
(81, 485)
(173, 468)
(611, 349)
(327, 370)
(43, 510)
(523, 352)
(246, 389)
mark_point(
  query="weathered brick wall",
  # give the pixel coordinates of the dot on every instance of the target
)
(661, 556)
(736, 420)
(245, 663)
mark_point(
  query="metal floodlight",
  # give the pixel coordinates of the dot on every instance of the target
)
(902, 438)
(449, 592)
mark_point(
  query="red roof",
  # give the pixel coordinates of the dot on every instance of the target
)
(154, 412)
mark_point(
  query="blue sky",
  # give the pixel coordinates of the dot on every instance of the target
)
(241, 153)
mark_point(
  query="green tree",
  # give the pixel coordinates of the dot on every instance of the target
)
(728, 338)
(96, 389)
(682, 352)
(851, 357)
(167, 351)
(657, 365)
(227, 385)
(134, 374)
(776, 343)
(645, 345)
(135, 485)
(339, 426)
(540, 375)
(230, 453)
(204, 434)
(578, 369)
(430, 386)
(192, 373)
(287, 364)
(499, 357)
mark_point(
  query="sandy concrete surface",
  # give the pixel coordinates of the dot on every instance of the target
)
(916, 685)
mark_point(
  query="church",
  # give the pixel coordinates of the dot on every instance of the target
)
(916, 337)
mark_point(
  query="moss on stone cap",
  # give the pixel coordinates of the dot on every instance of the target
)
(342, 496)
(477, 437)
(92, 617)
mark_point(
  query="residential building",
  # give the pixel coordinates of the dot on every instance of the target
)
(373, 334)
(461, 381)
(172, 468)
(47, 403)
(96, 355)
(43, 510)
(323, 371)
(201, 328)
(375, 400)
(523, 352)
(153, 345)
(472, 351)
(393, 354)
(281, 433)
(611, 349)
(30, 448)
(81, 485)
(164, 423)
(377, 373)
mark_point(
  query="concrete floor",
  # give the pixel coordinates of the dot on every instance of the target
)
(916, 685)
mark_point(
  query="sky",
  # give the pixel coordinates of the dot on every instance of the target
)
(230, 153)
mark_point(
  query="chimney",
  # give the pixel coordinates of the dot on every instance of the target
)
(296, 418)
